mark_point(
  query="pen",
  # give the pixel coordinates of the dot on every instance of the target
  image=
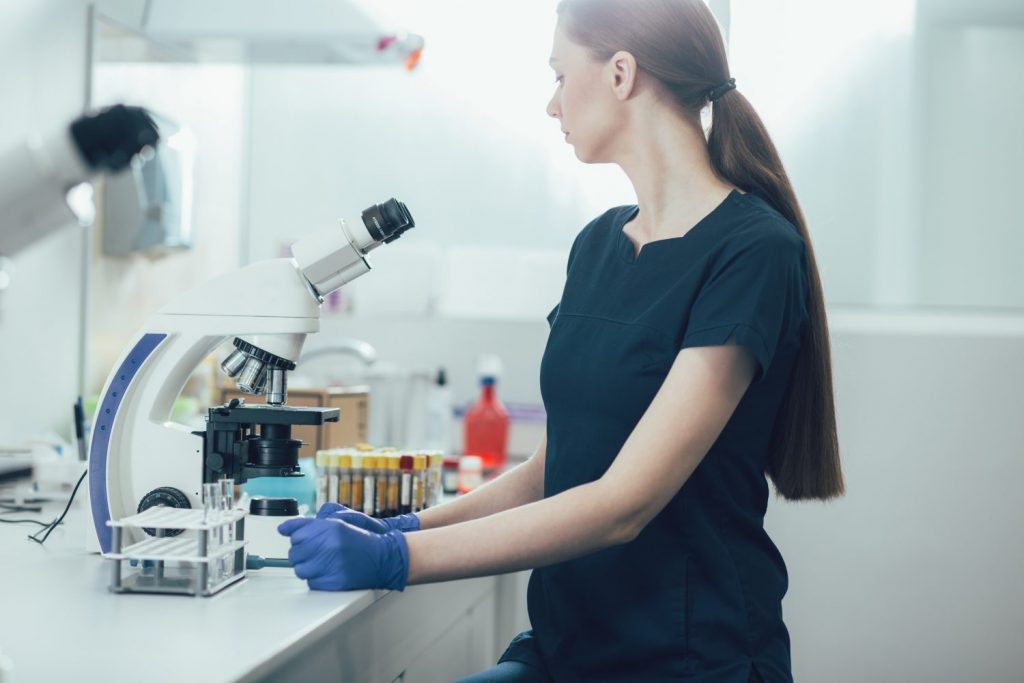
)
(80, 428)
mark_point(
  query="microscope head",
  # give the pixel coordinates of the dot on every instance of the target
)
(326, 260)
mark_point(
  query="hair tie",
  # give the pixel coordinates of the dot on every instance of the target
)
(722, 89)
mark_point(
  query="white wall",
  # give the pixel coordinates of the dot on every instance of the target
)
(915, 574)
(211, 101)
(42, 87)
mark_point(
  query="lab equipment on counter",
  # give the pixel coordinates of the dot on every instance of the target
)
(485, 425)
(139, 459)
(400, 482)
(37, 175)
(471, 473)
(439, 414)
(189, 565)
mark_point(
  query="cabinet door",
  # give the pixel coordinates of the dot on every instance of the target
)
(465, 648)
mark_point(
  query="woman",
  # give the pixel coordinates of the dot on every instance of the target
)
(688, 357)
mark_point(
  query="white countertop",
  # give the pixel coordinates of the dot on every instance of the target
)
(58, 621)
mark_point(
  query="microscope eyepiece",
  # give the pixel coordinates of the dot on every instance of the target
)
(386, 222)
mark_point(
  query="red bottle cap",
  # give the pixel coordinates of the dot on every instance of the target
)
(405, 462)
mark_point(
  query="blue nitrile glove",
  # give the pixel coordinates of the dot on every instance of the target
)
(408, 522)
(332, 555)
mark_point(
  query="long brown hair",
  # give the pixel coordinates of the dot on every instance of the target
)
(678, 43)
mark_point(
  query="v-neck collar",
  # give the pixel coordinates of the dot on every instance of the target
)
(628, 250)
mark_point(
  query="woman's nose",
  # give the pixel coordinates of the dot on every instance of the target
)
(553, 110)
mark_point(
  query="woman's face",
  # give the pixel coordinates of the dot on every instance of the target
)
(584, 102)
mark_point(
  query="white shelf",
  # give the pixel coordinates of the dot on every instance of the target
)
(162, 517)
(173, 549)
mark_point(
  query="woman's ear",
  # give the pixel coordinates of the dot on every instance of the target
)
(622, 74)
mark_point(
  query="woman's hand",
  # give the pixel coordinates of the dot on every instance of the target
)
(408, 522)
(331, 554)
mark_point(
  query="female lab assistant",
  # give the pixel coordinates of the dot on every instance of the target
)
(687, 357)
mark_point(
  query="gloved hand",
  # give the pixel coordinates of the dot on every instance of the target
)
(408, 522)
(333, 555)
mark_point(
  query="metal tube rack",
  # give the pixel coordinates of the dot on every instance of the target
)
(172, 564)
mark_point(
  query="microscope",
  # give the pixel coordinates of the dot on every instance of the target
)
(139, 458)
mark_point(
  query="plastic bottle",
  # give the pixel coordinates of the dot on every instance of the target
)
(486, 423)
(439, 414)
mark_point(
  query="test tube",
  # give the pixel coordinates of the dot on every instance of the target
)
(394, 484)
(332, 476)
(227, 529)
(357, 482)
(405, 495)
(436, 465)
(345, 479)
(381, 497)
(419, 481)
(321, 478)
(369, 484)
(212, 512)
(211, 505)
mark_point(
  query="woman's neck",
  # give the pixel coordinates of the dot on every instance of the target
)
(667, 162)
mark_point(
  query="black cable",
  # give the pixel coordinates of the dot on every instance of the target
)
(53, 525)
(25, 521)
(5, 509)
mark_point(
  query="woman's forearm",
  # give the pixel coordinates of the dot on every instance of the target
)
(581, 520)
(521, 485)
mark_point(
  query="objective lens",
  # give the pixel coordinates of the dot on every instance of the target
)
(277, 386)
(232, 365)
(252, 378)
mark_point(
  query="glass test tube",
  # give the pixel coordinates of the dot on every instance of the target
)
(419, 480)
(333, 459)
(227, 505)
(405, 495)
(394, 475)
(369, 484)
(357, 482)
(381, 497)
(436, 466)
(321, 478)
(345, 479)
(211, 515)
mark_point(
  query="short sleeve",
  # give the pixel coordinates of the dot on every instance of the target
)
(756, 292)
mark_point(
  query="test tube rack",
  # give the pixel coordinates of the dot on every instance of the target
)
(176, 565)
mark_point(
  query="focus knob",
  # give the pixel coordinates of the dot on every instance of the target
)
(168, 496)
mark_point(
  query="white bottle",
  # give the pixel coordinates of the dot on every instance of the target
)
(439, 414)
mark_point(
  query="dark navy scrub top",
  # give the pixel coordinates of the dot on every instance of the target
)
(698, 594)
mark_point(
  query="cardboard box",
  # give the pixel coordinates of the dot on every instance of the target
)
(350, 429)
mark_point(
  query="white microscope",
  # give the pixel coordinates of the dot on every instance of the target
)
(139, 459)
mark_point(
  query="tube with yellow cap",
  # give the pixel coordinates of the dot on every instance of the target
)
(345, 479)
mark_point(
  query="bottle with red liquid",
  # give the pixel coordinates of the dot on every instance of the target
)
(486, 422)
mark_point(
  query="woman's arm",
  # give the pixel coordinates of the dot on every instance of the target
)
(521, 485)
(685, 418)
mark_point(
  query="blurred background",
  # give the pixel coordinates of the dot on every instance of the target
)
(898, 122)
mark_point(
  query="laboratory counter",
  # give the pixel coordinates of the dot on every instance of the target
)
(58, 621)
